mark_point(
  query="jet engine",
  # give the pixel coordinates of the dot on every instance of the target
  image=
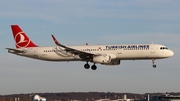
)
(113, 62)
(102, 59)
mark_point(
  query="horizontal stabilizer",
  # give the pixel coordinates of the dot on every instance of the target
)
(11, 50)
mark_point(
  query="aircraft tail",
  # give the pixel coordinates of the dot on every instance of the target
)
(21, 39)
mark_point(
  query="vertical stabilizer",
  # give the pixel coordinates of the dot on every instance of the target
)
(21, 39)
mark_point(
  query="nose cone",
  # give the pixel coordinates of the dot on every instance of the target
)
(171, 53)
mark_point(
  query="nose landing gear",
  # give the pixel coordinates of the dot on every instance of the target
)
(154, 64)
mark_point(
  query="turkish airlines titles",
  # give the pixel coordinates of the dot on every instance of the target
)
(128, 47)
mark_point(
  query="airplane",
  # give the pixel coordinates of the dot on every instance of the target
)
(97, 54)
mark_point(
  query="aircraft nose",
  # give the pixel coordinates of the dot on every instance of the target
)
(171, 53)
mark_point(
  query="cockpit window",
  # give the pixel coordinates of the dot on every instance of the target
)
(162, 48)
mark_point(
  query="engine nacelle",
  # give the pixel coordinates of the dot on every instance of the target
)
(102, 59)
(113, 62)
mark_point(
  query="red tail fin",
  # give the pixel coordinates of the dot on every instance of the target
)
(21, 39)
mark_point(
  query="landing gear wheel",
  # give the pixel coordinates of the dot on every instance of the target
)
(154, 66)
(94, 67)
(86, 66)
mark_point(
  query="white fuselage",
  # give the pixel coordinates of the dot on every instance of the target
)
(118, 52)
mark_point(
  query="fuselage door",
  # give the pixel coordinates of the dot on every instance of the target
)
(119, 51)
(152, 48)
(35, 52)
(30, 52)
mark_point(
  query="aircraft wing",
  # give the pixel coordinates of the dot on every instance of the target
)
(82, 54)
(15, 50)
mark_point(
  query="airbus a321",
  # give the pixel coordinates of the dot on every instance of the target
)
(102, 54)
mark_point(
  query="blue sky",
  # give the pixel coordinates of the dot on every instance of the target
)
(75, 22)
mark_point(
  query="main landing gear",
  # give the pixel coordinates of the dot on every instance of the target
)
(87, 66)
(154, 64)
